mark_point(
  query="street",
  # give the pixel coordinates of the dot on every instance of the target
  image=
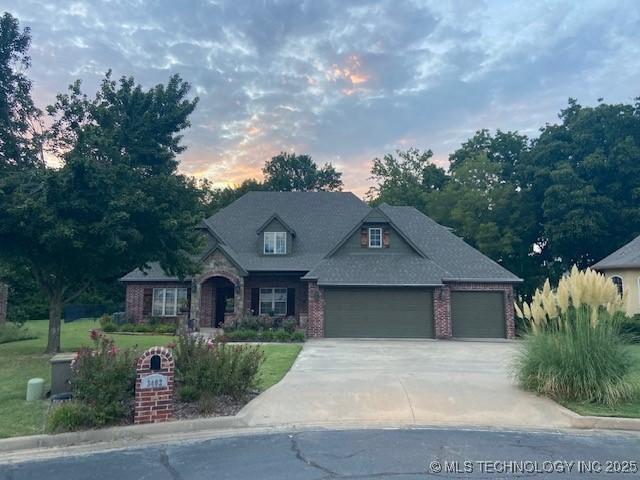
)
(407, 453)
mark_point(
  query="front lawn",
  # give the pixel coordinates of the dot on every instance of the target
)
(20, 361)
(628, 409)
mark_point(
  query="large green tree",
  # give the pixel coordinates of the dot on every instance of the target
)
(115, 203)
(288, 172)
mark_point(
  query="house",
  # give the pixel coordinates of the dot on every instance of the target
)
(338, 266)
(623, 268)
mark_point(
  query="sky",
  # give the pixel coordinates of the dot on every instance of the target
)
(344, 81)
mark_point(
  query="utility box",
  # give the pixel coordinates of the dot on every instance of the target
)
(61, 373)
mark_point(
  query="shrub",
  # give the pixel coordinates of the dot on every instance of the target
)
(630, 328)
(207, 404)
(69, 417)
(242, 335)
(109, 328)
(289, 324)
(142, 328)
(265, 336)
(188, 393)
(281, 336)
(10, 332)
(105, 320)
(298, 336)
(215, 368)
(104, 379)
(128, 327)
(166, 328)
(574, 350)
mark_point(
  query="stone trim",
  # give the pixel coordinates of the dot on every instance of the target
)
(315, 320)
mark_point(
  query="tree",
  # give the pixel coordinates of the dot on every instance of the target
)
(217, 198)
(288, 172)
(19, 118)
(116, 202)
(406, 178)
(584, 177)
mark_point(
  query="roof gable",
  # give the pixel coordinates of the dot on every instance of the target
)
(627, 256)
(277, 219)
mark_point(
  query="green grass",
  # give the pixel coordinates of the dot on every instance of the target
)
(20, 361)
(629, 409)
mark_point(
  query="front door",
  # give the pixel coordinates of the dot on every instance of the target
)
(224, 304)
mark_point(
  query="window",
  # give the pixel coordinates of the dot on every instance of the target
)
(617, 281)
(167, 302)
(275, 243)
(375, 238)
(273, 301)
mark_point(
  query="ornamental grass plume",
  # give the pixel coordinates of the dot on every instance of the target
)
(586, 288)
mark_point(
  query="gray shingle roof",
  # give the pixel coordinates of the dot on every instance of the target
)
(321, 221)
(459, 260)
(372, 269)
(154, 273)
(627, 256)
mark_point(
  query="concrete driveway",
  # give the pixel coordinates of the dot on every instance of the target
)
(418, 382)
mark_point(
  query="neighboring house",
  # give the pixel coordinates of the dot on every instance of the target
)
(623, 268)
(340, 267)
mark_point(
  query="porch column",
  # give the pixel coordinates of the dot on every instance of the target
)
(238, 300)
(194, 310)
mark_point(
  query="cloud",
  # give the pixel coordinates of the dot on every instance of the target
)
(342, 81)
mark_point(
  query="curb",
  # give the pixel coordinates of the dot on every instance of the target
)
(126, 436)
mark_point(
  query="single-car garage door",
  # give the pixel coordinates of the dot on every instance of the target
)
(478, 314)
(378, 312)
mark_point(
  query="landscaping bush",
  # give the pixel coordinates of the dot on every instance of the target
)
(265, 336)
(69, 417)
(104, 379)
(242, 335)
(188, 393)
(109, 328)
(216, 368)
(289, 324)
(10, 332)
(166, 328)
(105, 320)
(630, 328)
(298, 336)
(128, 327)
(281, 336)
(142, 328)
(574, 350)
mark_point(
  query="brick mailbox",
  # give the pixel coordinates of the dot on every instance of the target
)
(154, 386)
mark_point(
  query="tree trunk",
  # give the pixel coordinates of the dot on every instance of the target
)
(55, 314)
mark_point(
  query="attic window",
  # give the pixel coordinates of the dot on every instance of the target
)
(375, 238)
(275, 243)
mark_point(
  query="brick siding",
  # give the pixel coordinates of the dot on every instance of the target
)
(315, 321)
(442, 306)
(155, 404)
(134, 302)
(277, 281)
(4, 299)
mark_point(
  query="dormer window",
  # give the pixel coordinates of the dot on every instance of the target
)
(275, 243)
(375, 238)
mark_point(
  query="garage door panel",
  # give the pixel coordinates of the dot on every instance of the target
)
(478, 314)
(378, 312)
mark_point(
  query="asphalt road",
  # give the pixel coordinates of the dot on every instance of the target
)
(402, 454)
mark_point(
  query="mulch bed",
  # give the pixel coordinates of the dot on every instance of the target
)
(221, 406)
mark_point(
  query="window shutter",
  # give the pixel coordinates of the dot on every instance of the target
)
(189, 302)
(147, 300)
(255, 300)
(364, 237)
(385, 238)
(291, 302)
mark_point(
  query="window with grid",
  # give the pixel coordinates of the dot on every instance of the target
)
(275, 243)
(273, 301)
(375, 238)
(167, 302)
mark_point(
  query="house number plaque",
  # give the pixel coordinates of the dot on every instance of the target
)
(154, 380)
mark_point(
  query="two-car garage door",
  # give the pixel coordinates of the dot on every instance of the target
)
(379, 312)
(408, 313)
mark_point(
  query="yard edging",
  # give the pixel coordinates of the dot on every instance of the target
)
(592, 422)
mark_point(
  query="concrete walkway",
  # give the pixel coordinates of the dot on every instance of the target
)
(418, 382)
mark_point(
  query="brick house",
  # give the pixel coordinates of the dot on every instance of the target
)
(336, 265)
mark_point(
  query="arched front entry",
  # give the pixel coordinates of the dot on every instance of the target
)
(217, 300)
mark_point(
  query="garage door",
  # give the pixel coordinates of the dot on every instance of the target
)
(478, 314)
(378, 312)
